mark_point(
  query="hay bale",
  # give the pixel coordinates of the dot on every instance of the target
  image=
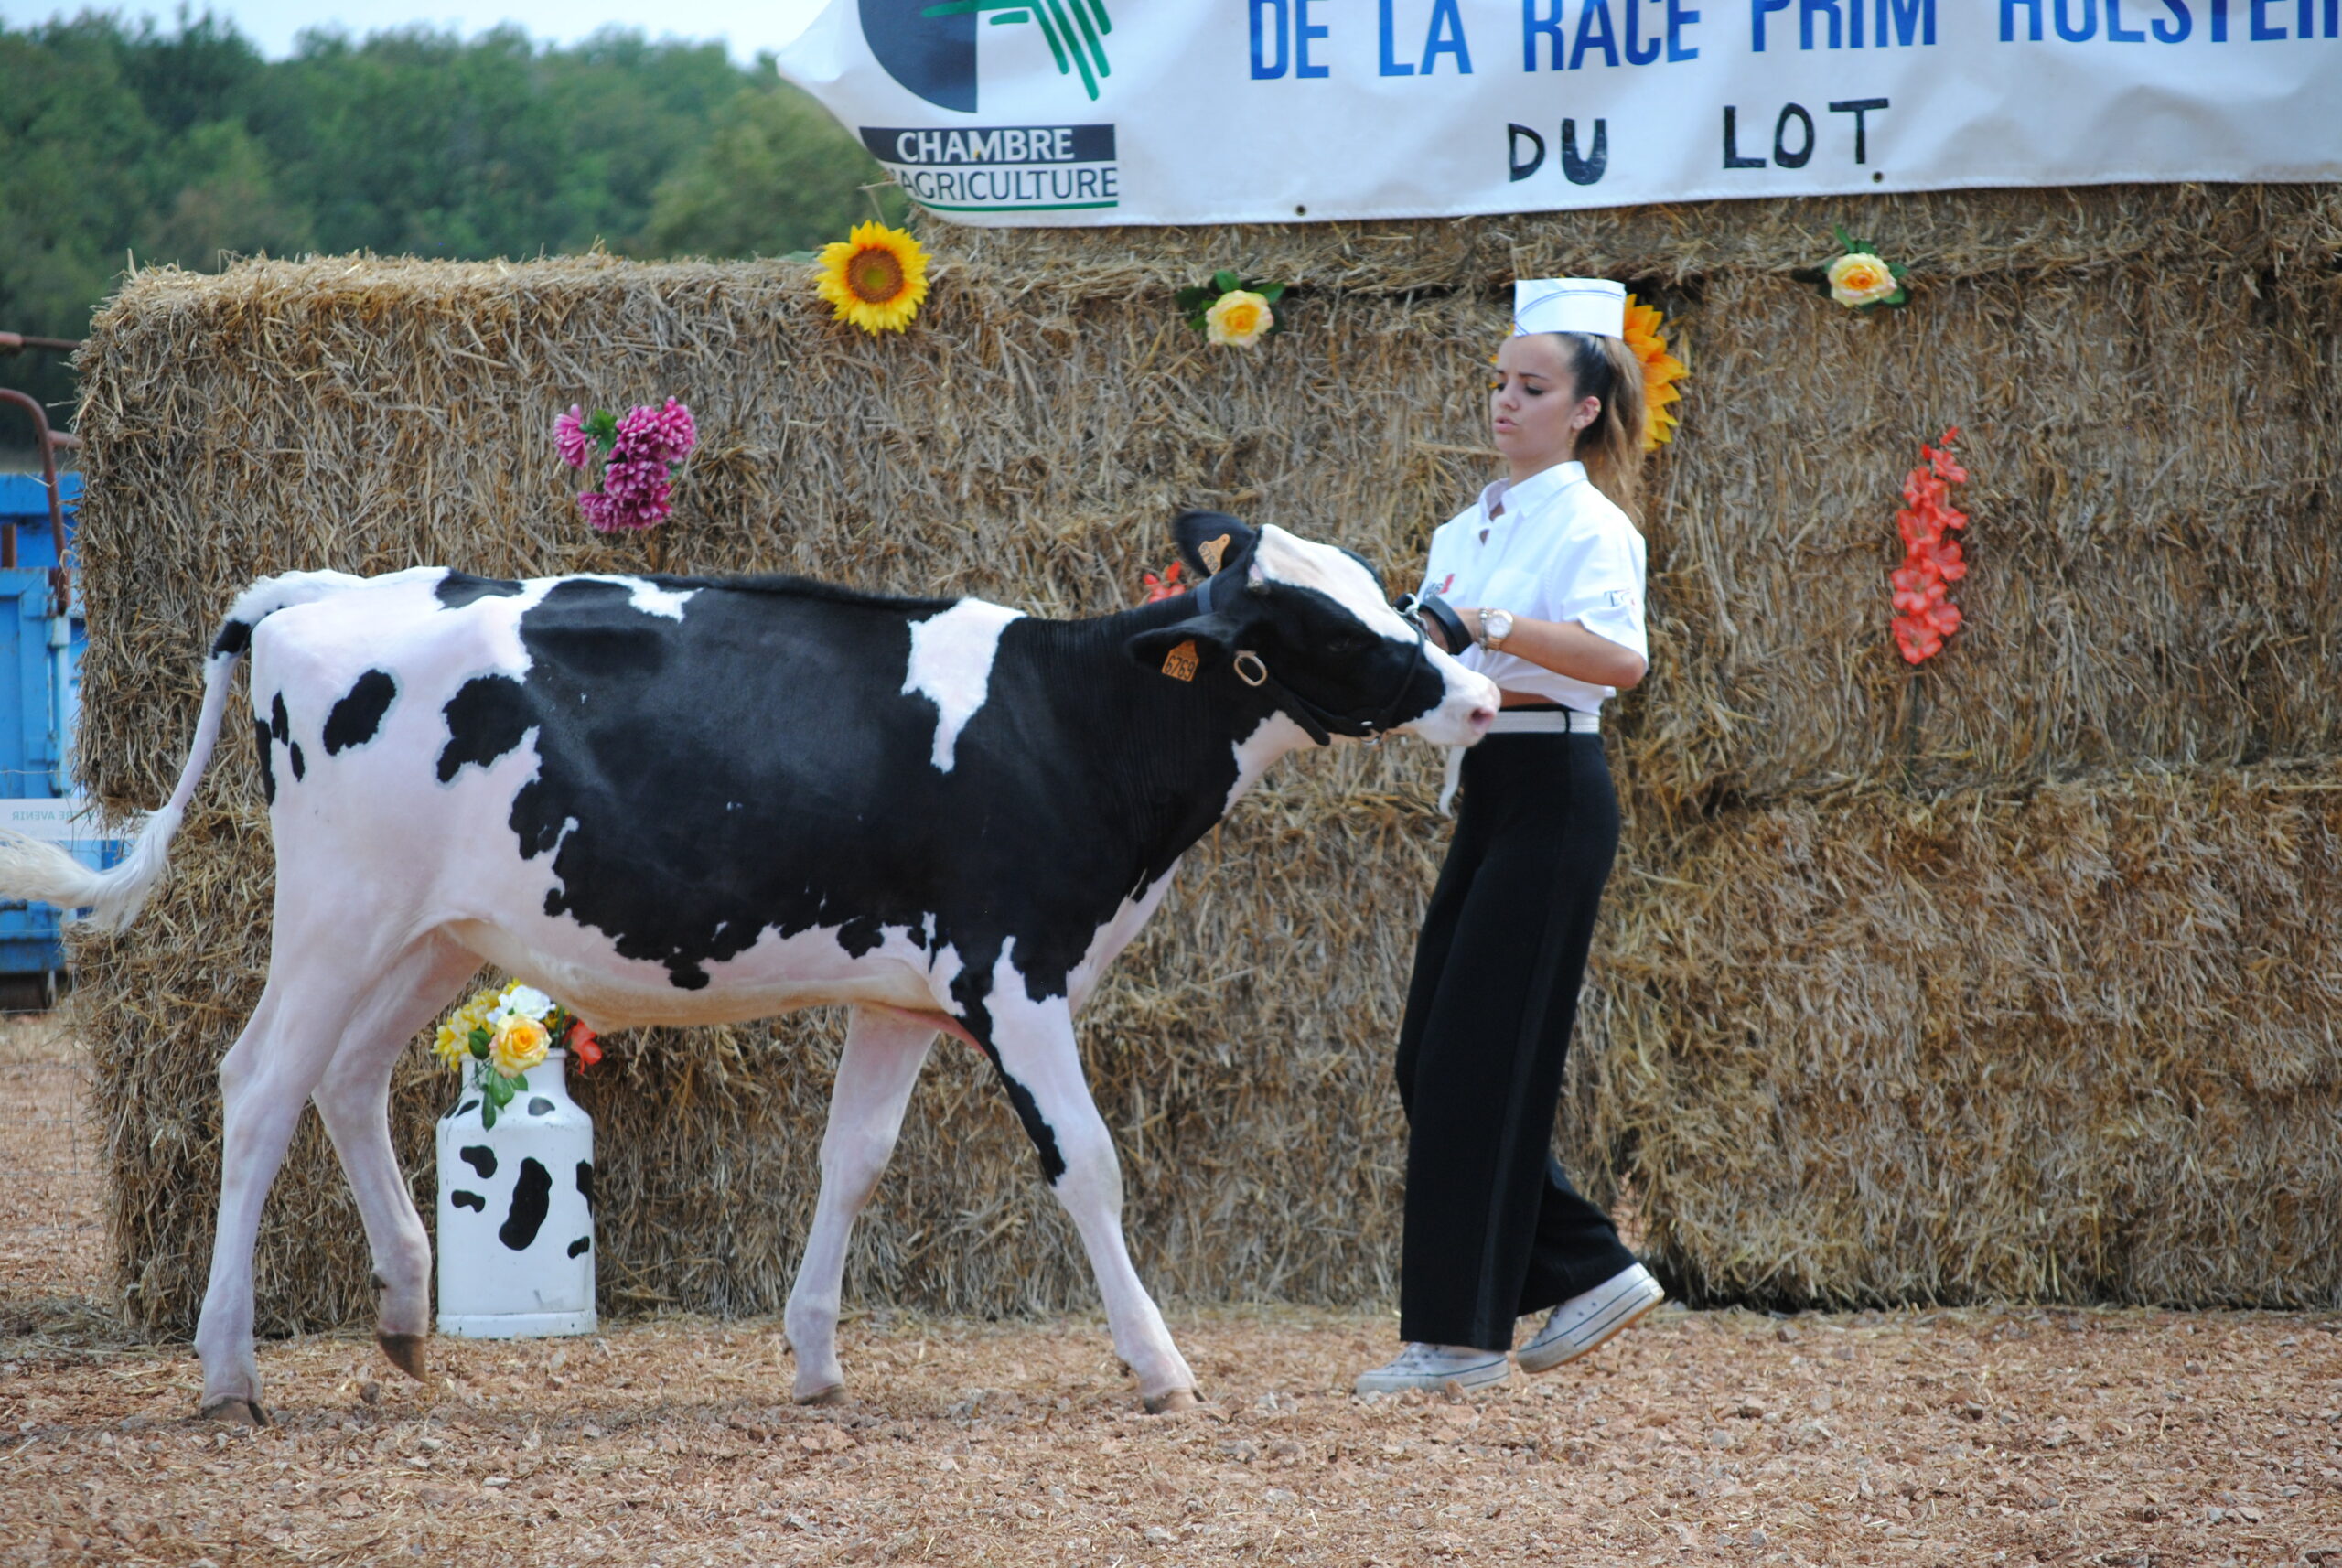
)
(2075, 1044)
(1028, 443)
(2178, 229)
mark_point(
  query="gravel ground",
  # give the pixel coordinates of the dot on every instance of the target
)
(1948, 1437)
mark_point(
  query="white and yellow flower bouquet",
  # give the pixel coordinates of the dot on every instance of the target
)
(505, 1032)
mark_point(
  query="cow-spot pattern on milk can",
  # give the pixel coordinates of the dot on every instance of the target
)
(516, 1213)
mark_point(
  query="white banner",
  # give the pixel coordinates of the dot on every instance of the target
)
(1091, 112)
(71, 820)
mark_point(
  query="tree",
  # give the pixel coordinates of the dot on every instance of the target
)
(777, 174)
(185, 145)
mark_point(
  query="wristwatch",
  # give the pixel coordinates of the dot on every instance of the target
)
(1495, 627)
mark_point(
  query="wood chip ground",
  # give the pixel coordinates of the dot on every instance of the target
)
(1938, 1438)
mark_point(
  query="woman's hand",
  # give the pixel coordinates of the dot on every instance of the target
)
(1566, 648)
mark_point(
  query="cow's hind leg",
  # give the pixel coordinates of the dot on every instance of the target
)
(884, 1052)
(1041, 1068)
(264, 1079)
(353, 1100)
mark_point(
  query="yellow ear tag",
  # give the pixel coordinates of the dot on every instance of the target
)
(1211, 550)
(1181, 661)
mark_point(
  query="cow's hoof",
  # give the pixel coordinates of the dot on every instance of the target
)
(405, 1351)
(233, 1410)
(1176, 1400)
(833, 1394)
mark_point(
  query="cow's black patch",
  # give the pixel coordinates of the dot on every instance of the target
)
(356, 719)
(487, 716)
(862, 935)
(583, 1245)
(468, 1107)
(696, 788)
(756, 767)
(480, 1157)
(280, 722)
(1037, 1126)
(457, 589)
(540, 1106)
(300, 767)
(586, 1183)
(235, 636)
(532, 1197)
(267, 763)
(471, 1201)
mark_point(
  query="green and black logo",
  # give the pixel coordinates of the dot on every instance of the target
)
(930, 46)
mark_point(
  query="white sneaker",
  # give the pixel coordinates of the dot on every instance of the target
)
(1581, 1323)
(1434, 1367)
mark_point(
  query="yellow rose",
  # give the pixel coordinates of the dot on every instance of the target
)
(520, 1044)
(1861, 279)
(1239, 318)
(452, 1045)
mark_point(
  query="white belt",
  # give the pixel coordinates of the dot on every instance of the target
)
(1518, 721)
(1545, 720)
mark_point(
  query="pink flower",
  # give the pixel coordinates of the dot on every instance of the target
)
(638, 481)
(569, 435)
(634, 483)
(644, 513)
(657, 435)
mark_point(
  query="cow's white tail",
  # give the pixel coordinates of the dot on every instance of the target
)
(110, 900)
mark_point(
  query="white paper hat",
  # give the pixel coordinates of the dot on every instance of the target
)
(1569, 305)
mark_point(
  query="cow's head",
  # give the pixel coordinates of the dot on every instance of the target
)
(1308, 624)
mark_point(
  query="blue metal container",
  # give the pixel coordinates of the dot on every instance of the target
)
(40, 657)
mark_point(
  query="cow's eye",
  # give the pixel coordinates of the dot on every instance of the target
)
(1346, 643)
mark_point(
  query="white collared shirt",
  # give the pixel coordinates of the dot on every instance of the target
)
(1559, 551)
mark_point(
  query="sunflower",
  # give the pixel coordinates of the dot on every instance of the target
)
(1661, 370)
(875, 277)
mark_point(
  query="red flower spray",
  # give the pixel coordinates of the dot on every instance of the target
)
(1166, 587)
(1933, 560)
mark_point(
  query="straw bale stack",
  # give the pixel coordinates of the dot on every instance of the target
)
(2074, 1043)
(2147, 381)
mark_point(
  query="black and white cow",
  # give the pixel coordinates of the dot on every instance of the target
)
(671, 801)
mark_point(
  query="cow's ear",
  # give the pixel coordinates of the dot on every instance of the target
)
(1211, 541)
(1186, 648)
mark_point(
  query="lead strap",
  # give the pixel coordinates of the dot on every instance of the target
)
(1569, 721)
(1449, 783)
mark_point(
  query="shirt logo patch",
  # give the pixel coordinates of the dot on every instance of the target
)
(1445, 583)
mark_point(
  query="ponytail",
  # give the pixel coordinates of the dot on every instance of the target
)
(1612, 447)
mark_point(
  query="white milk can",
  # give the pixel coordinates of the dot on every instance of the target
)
(516, 1211)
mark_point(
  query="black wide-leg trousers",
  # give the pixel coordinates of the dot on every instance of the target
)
(1494, 1230)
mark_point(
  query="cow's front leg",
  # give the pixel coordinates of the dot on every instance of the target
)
(1041, 1068)
(882, 1054)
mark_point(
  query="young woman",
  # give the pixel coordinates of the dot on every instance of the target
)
(1544, 574)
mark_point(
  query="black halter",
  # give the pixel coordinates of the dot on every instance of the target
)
(1322, 723)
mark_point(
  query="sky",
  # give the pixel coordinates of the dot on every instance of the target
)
(744, 25)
